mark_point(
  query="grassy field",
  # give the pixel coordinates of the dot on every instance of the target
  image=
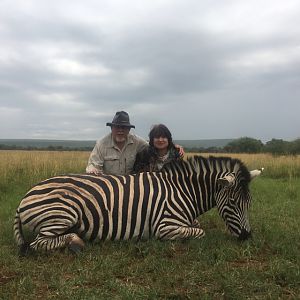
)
(215, 267)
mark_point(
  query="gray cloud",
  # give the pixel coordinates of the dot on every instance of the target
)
(205, 69)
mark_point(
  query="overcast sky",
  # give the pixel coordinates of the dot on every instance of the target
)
(207, 69)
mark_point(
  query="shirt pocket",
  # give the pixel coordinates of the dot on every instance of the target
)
(111, 157)
(111, 164)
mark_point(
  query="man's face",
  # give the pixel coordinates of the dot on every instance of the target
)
(120, 133)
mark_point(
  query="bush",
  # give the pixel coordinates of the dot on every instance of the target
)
(244, 145)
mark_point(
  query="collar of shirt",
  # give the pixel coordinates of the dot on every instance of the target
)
(164, 157)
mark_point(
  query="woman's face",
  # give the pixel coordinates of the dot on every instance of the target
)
(160, 143)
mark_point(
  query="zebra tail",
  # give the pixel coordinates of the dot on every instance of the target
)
(19, 237)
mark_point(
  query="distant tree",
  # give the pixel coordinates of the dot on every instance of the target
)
(277, 147)
(244, 145)
(294, 147)
(213, 150)
(193, 149)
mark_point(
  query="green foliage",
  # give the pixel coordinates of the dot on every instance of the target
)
(294, 147)
(276, 146)
(244, 145)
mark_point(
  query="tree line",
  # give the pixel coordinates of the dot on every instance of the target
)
(251, 145)
(48, 148)
(241, 145)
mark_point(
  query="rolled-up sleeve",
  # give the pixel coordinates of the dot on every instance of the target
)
(96, 159)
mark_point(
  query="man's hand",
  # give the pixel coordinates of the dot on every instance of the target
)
(93, 170)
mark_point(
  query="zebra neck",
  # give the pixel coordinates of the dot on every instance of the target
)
(204, 198)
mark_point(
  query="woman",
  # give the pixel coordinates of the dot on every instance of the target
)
(161, 150)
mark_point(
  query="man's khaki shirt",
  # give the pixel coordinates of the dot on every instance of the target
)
(107, 158)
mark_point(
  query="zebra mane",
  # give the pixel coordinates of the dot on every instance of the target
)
(196, 163)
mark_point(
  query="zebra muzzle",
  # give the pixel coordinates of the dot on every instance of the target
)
(76, 244)
(244, 235)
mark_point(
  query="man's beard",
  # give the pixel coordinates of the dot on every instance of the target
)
(120, 139)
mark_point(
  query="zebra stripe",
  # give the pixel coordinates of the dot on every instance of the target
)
(65, 209)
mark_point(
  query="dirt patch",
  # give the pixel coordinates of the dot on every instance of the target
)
(7, 276)
(249, 263)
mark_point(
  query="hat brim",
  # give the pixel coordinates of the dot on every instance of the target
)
(125, 125)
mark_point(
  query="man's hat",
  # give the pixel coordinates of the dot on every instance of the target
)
(121, 118)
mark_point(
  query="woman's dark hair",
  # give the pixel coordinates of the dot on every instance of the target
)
(160, 130)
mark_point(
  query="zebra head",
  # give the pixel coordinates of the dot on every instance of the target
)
(233, 201)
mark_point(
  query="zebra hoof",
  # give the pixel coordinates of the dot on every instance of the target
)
(201, 233)
(76, 245)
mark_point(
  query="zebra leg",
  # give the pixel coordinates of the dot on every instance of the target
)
(53, 236)
(196, 224)
(173, 231)
(47, 242)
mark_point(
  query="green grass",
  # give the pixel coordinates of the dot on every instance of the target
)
(215, 267)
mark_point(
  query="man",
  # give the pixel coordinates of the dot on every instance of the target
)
(115, 153)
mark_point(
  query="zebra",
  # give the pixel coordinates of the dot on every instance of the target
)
(63, 211)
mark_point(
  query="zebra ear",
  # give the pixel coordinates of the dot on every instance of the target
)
(255, 173)
(226, 181)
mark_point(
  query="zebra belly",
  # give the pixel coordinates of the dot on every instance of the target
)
(111, 226)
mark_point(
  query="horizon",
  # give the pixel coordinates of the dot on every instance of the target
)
(94, 140)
